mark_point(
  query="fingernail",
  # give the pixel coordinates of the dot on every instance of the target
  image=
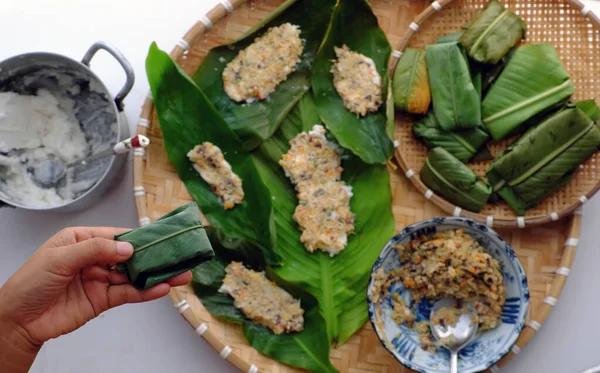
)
(124, 248)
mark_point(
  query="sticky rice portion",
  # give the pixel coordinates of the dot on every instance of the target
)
(257, 70)
(261, 300)
(210, 163)
(357, 81)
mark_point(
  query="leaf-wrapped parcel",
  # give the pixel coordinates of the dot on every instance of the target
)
(410, 85)
(491, 35)
(308, 349)
(533, 81)
(165, 248)
(456, 101)
(447, 176)
(544, 158)
(462, 144)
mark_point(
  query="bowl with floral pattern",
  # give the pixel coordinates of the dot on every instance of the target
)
(487, 347)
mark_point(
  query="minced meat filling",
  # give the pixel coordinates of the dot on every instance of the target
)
(357, 81)
(323, 212)
(257, 70)
(210, 163)
(262, 300)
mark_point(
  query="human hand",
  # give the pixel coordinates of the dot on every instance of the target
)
(66, 283)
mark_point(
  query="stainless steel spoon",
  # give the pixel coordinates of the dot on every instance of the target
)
(454, 337)
(49, 172)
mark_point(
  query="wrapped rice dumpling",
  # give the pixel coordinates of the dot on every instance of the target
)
(461, 144)
(411, 83)
(447, 176)
(533, 81)
(491, 35)
(544, 158)
(165, 248)
(456, 102)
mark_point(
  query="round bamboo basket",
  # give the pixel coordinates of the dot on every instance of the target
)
(545, 252)
(575, 32)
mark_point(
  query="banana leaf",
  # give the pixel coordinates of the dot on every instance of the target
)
(544, 158)
(462, 144)
(447, 176)
(338, 283)
(492, 72)
(533, 81)
(253, 123)
(491, 35)
(187, 118)
(171, 245)
(589, 108)
(308, 349)
(353, 24)
(449, 38)
(456, 102)
(410, 85)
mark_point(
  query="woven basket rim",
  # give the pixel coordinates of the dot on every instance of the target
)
(443, 203)
(178, 297)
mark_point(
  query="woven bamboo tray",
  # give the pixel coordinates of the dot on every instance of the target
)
(545, 252)
(575, 32)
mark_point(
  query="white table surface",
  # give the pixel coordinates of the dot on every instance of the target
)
(152, 337)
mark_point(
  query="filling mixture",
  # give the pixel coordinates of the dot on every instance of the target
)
(323, 213)
(257, 70)
(357, 81)
(210, 163)
(262, 300)
(33, 129)
(449, 264)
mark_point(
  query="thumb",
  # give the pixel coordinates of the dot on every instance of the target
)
(95, 251)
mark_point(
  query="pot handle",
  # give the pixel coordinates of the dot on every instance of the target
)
(130, 76)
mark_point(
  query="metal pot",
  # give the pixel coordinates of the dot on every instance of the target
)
(100, 117)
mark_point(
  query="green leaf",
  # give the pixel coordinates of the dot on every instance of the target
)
(462, 144)
(165, 248)
(253, 123)
(410, 85)
(308, 349)
(353, 24)
(187, 118)
(449, 38)
(544, 157)
(491, 35)
(456, 102)
(338, 283)
(525, 88)
(589, 108)
(491, 72)
(449, 177)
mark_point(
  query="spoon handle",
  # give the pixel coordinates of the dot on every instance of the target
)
(453, 362)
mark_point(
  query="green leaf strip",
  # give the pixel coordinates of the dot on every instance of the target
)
(525, 103)
(450, 75)
(443, 179)
(488, 30)
(464, 143)
(167, 237)
(550, 156)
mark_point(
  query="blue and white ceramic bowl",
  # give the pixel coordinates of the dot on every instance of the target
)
(488, 347)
